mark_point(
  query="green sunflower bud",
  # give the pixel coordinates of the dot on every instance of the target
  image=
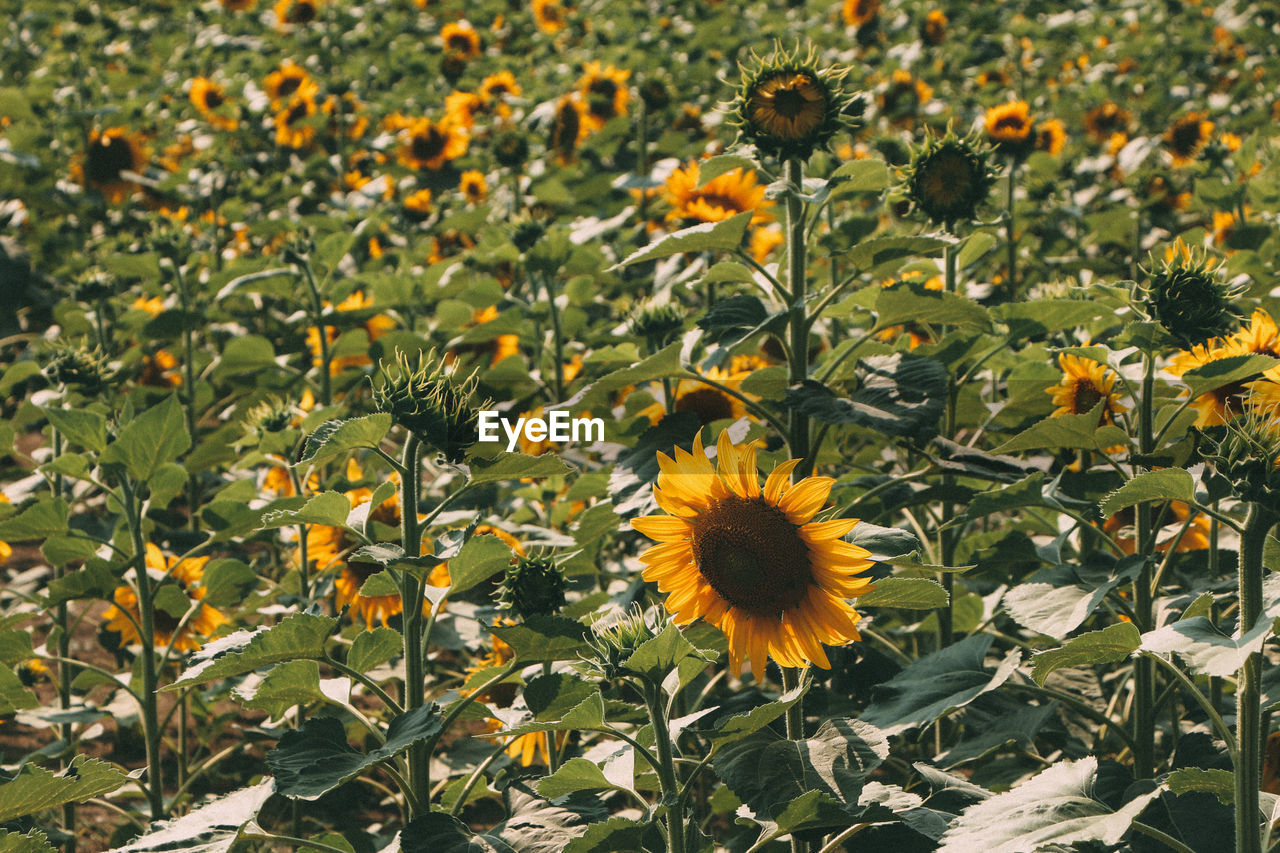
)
(525, 234)
(511, 149)
(84, 370)
(1190, 300)
(948, 179)
(787, 106)
(657, 323)
(93, 285)
(425, 399)
(1246, 451)
(533, 586)
(616, 637)
(273, 415)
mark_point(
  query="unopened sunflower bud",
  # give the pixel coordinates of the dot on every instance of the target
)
(425, 399)
(273, 415)
(533, 586)
(93, 285)
(658, 323)
(511, 149)
(1189, 299)
(948, 179)
(80, 369)
(787, 106)
(1247, 452)
(616, 637)
(526, 233)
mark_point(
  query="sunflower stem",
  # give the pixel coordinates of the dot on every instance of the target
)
(1249, 732)
(61, 622)
(791, 678)
(1011, 238)
(1144, 669)
(666, 767)
(317, 310)
(411, 600)
(146, 610)
(799, 322)
(946, 536)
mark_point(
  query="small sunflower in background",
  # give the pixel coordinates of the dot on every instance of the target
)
(124, 617)
(238, 5)
(933, 30)
(460, 109)
(375, 327)
(604, 92)
(418, 204)
(752, 561)
(1051, 136)
(109, 156)
(787, 107)
(429, 145)
(293, 130)
(499, 86)
(859, 13)
(1187, 136)
(568, 128)
(286, 80)
(473, 186)
(948, 179)
(1008, 128)
(210, 100)
(550, 16)
(1085, 383)
(1104, 121)
(293, 13)
(461, 39)
(720, 198)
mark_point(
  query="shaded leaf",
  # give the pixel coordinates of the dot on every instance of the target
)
(1204, 649)
(1112, 644)
(544, 638)
(1166, 484)
(1220, 783)
(899, 394)
(334, 438)
(35, 789)
(515, 466)
(150, 440)
(723, 236)
(906, 593)
(210, 828)
(301, 635)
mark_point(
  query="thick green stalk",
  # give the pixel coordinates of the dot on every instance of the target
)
(799, 322)
(1249, 734)
(317, 310)
(65, 731)
(667, 780)
(189, 390)
(557, 337)
(411, 597)
(1144, 722)
(947, 538)
(1011, 237)
(147, 629)
(791, 678)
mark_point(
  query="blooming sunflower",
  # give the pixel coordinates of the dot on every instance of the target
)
(1106, 120)
(709, 403)
(498, 86)
(461, 39)
(285, 81)
(473, 186)
(1085, 383)
(787, 107)
(375, 327)
(292, 128)
(429, 145)
(934, 28)
(1218, 405)
(604, 91)
(568, 127)
(460, 108)
(208, 97)
(110, 154)
(418, 203)
(1009, 127)
(859, 13)
(549, 15)
(1195, 538)
(753, 562)
(292, 13)
(1187, 136)
(720, 198)
(124, 617)
(1051, 136)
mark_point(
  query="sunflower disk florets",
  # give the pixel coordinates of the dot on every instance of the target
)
(1189, 299)
(948, 179)
(788, 107)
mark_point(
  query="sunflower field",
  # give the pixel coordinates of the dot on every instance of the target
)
(633, 426)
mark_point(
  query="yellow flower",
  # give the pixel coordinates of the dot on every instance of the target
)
(460, 39)
(110, 154)
(753, 562)
(292, 128)
(282, 83)
(1105, 120)
(500, 85)
(1196, 537)
(473, 186)
(238, 5)
(124, 616)
(1186, 136)
(418, 204)
(1051, 136)
(429, 145)
(460, 108)
(604, 91)
(859, 13)
(375, 327)
(160, 370)
(788, 104)
(207, 97)
(1009, 125)
(550, 16)
(290, 13)
(720, 198)
(1218, 405)
(934, 28)
(1085, 383)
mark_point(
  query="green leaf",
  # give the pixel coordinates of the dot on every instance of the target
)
(166, 484)
(1220, 783)
(34, 841)
(1112, 644)
(1226, 371)
(1057, 433)
(937, 684)
(1055, 808)
(736, 727)
(287, 685)
(35, 789)
(80, 426)
(313, 760)
(38, 521)
(1058, 607)
(15, 647)
(13, 696)
(211, 828)
(899, 395)
(94, 580)
(1167, 484)
(906, 593)
(374, 648)
(556, 702)
(157, 436)
(872, 253)
(866, 175)
(1204, 649)
(768, 771)
(658, 656)
(334, 438)
(974, 247)
(617, 834)
(1018, 727)
(736, 318)
(515, 466)
(723, 236)
(576, 774)
(1027, 492)
(544, 638)
(301, 635)
(663, 364)
(1038, 317)
(884, 541)
(246, 354)
(481, 558)
(709, 170)
(535, 827)
(904, 304)
(227, 583)
(327, 508)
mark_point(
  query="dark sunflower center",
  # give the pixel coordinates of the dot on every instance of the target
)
(1086, 397)
(107, 158)
(752, 555)
(289, 85)
(1230, 398)
(297, 110)
(566, 129)
(362, 572)
(1011, 123)
(460, 42)
(946, 178)
(1185, 137)
(212, 99)
(302, 13)
(790, 102)
(707, 403)
(428, 145)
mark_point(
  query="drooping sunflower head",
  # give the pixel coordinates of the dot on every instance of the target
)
(1189, 299)
(948, 178)
(752, 561)
(110, 155)
(511, 149)
(1009, 128)
(657, 323)
(720, 198)
(1085, 383)
(533, 586)
(604, 91)
(788, 107)
(568, 127)
(1186, 137)
(424, 398)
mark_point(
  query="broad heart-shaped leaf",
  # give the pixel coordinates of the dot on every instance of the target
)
(1029, 319)
(374, 648)
(1058, 600)
(288, 684)
(150, 440)
(736, 318)
(210, 828)
(656, 657)
(538, 828)
(736, 727)
(34, 841)
(1054, 809)
(327, 508)
(576, 774)
(899, 394)
(1018, 727)
(544, 638)
(1204, 649)
(481, 558)
(313, 760)
(1166, 484)
(38, 521)
(768, 771)
(334, 438)
(905, 304)
(709, 170)
(906, 593)
(866, 175)
(35, 789)
(665, 363)
(619, 834)
(515, 466)
(556, 702)
(1225, 371)
(1112, 644)
(879, 250)
(723, 236)
(1058, 433)
(1028, 491)
(937, 684)
(299, 636)
(1220, 783)
(80, 426)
